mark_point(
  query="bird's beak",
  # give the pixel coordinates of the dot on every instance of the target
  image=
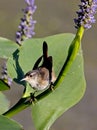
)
(24, 79)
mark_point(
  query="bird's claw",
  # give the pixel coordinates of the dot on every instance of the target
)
(32, 98)
(51, 86)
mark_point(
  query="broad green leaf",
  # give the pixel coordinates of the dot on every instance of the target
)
(47, 110)
(7, 47)
(4, 103)
(3, 85)
(8, 124)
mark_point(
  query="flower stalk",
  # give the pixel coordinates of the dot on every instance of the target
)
(26, 27)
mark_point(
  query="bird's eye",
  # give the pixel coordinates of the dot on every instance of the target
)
(30, 75)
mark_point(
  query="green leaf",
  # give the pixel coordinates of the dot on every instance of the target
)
(7, 47)
(8, 124)
(70, 91)
(3, 86)
(4, 103)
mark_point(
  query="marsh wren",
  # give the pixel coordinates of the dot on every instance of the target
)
(40, 77)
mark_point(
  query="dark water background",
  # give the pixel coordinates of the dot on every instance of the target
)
(56, 16)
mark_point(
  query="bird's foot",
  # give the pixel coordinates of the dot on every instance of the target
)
(32, 98)
(51, 87)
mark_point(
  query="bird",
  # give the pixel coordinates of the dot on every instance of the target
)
(41, 77)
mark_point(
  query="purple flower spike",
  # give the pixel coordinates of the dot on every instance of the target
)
(26, 27)
(86, 12)
(5, 76)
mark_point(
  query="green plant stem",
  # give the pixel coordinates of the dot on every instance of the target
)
(73, 50)
(21, 105)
